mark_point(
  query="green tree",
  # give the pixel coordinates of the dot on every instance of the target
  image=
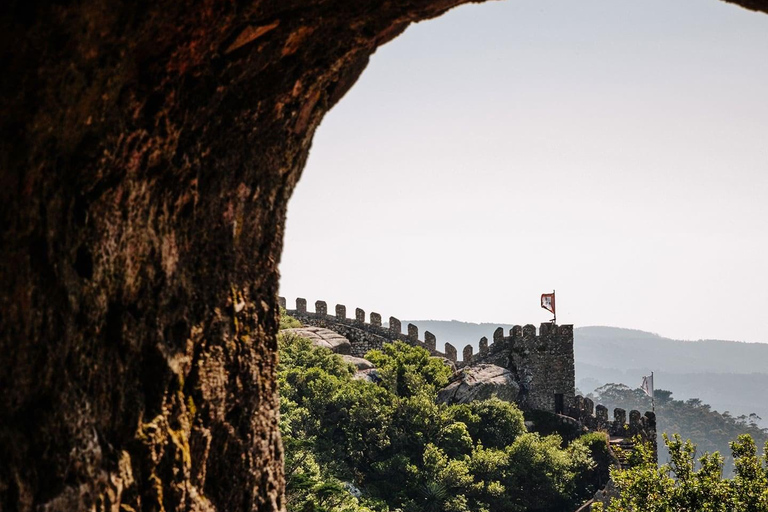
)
(287, 321)
(750, 484)
(493, 422)
(405, 451)
(688, 484)
(709, 430)
(406, 370)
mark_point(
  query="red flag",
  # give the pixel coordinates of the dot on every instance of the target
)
(548, 302)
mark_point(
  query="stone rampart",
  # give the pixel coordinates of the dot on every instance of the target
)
(550, 351)
(595, 418)
(362, 335)
(542, 363)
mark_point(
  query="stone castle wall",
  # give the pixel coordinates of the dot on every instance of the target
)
(542, 363)
(595, 418)
(362, 335)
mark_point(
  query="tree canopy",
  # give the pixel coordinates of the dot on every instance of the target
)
(690, 484)
(709, 430)
(352, 445)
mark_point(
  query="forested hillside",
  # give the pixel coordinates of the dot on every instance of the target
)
(356, 445)
(620, 348)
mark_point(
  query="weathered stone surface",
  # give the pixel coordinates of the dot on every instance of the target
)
(478, 383)
(370, 375)
(359, 362)
(430, 341)
(325, 338)
(447, 362)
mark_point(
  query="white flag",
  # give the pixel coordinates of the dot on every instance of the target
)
(647, 385)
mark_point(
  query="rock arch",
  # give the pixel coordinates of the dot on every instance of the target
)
(148, 151)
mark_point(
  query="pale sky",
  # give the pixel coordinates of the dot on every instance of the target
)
(615, 151)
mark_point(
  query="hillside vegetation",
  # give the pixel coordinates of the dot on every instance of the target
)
(353, 445)
(692, 482)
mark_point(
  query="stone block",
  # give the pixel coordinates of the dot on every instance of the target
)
(483, 346)
(589, 406)
(413, 334)
(394, 326)
(430, 341)
(450, 352)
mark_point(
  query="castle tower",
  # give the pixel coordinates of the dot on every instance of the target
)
(543, 365)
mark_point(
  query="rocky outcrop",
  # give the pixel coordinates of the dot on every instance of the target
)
(370, 375)
(323, 338)
(147, 154)
(480, 382)
(358, 362)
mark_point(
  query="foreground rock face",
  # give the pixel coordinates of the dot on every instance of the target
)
(480, 382)
(147, 154)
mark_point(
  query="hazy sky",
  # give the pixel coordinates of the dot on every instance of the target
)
(616, 151)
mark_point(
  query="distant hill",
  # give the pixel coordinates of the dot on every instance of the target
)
(728, 375)
(613, 347)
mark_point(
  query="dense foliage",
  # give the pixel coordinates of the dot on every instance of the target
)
(287, 321)
(709, 430)
(685, 484)
(353, 445)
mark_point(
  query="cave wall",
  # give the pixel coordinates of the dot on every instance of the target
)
(147, 154)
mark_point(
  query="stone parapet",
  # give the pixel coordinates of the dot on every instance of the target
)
(595, 418)
(365, 336)
(557, 341)
(541, 362)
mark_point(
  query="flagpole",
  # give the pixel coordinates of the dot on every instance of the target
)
(653, 395)
(554, 307)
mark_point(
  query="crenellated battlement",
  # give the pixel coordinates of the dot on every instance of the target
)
(362, 335)
(595, 417)
(365, 336)
(541, 362)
